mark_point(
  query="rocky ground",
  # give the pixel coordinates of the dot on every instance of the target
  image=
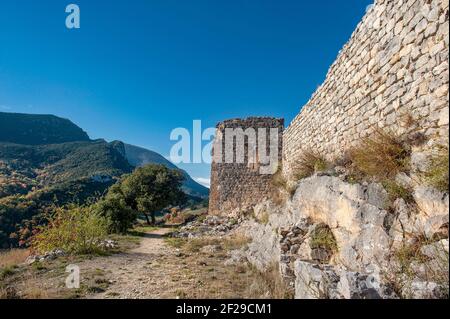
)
(335, 239)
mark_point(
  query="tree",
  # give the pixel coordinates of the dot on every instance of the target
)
(152, 188)
(114, 207)
(147, 190)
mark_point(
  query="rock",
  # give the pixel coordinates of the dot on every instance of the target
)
(294, 249)
(284, 232)
(353, 285)
(437, 250)
(430, 201)
(284, 247)
(419, 161)
(320, 255)
(31, 260)
(304, 252)
(355, 214)
(366, 230)
(236, 257)
(424, 290)
(377, 195)
(211, 249)
(315, 282)
(51, 255)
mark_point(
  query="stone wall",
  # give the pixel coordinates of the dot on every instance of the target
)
(395, 64)
(239, 186)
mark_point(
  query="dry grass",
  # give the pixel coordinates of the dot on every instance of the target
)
(175, 242)
(268, 284)
(264, 218)
(437, 174)
(404, 264)
(381, 156)
(34, 290)
(278, 179)
(395, 190)
(179, 218)
(8, 293)
(194, 245)
(309, 163)
(13, 257)
(280, 188)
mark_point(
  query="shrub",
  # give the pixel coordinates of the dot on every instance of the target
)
(322, 237)
(437, 172)
(381, 156)
(309, 163)
(114, 208)
(75, 230)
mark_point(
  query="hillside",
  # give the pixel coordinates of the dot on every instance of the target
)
(27, 167)
(33, 129)
(46, 160)
(138, 156)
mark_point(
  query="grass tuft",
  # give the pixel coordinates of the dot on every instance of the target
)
(309, 163)
(322, 237)
(381, 156)
(437, 174)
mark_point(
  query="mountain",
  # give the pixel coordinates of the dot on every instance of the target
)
(138, 156)
(45, 151)
(38, 129)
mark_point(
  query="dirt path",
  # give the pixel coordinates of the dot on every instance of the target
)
(152, 270)
(143, 272)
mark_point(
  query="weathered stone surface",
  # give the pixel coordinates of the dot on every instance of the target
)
(314, 281)
(237, 187)
(425, 290)
(436, 250)
(353, 285)
(433, 210)
(210, 249)
(366, 236)
(355, 215)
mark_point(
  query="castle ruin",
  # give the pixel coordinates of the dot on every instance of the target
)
(394, 66)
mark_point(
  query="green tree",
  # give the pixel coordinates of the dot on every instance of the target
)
(147, 190)
(152, 188)
(114, 207)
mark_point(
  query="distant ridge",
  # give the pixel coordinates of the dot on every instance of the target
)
(31, 129)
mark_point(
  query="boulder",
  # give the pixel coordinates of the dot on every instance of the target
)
(354, 285)
(315, 282)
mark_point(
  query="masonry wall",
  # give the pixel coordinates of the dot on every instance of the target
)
(396, 63)
(240, 186)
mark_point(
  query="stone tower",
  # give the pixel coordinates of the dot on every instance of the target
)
(241, 173)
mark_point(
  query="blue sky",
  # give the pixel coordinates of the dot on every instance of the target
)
(139, 68)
